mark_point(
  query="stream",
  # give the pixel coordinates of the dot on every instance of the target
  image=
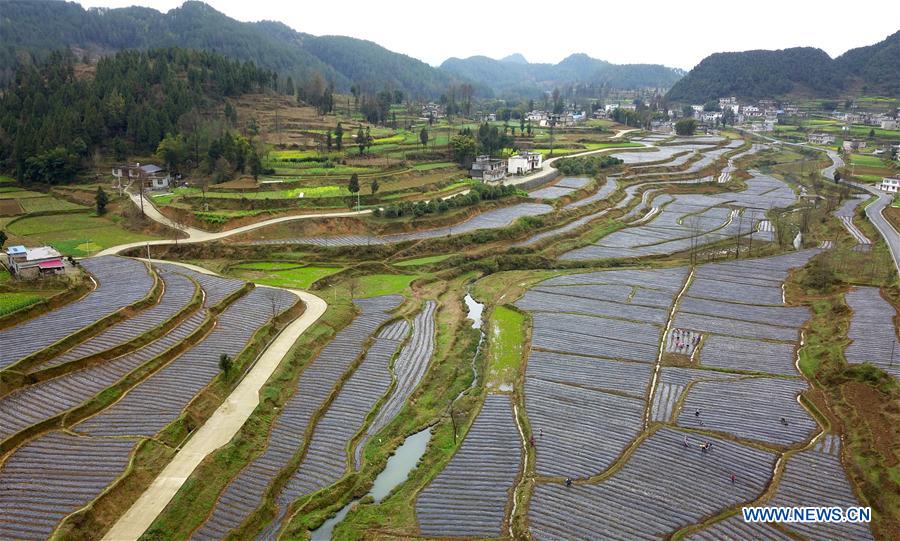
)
(395, 472)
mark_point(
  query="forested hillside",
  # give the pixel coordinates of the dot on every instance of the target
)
(51, 121)
(36, 27)
(804, 70)
(515, 76)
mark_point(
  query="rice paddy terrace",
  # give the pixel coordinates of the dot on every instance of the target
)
(647, 401)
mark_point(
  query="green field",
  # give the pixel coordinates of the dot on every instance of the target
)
(423, 260)
(507, 338)
(296, 278)
(866, 160)
(267, 265)
(432, 166)
(47, 204)
(74, 234)
(10, 302)
(375, 285)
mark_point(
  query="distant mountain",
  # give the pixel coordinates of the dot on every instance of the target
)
(513, 75)
(514, 58)
(803, 71)
(35, 27)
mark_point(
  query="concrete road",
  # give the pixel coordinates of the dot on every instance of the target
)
(199, 235)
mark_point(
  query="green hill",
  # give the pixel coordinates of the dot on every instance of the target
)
(798, 71)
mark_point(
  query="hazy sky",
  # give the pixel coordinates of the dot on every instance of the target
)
(674, 33)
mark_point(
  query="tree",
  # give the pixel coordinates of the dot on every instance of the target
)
(225, 363)
(687, 111)
(172, 151)
(328, 140)
(102, 200)
(3, 238)
(374, 186)
(361, 140)
(820, 276)
(423, 137)
(463, 148)
(872, 133)
(837, 176)
(339, 137)
(353, 186)
(686, 126)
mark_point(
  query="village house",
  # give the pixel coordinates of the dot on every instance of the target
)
(524, 163)
(890, 184)
(852, 145)
(488, 169)
(153, 176)
(30, 263)
(820, 138)
(889, 124)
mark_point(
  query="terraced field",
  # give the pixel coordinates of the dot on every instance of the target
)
(244, 493)
(691, 220)
(491, 219)
(831, 488)
(872, 331)
(177, 295)
(662, 487)
(470, 496)
(159, 399)
(121, 282)
(565, 186)
(408, 370)
(79, 464)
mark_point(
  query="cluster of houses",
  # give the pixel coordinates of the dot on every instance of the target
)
(30, 263)
(153, 177)
(544, 119)
(493, 170)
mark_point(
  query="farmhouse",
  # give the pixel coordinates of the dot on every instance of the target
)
(28, 263)
(154, 177)
(524, 163)
(889, 124)
(488, 169)
(890, 184)
(820, 138)
(854, 145)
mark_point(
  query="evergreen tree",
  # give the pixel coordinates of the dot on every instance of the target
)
(374, 186)
(339, 137)
(102, 200)
(353, 186)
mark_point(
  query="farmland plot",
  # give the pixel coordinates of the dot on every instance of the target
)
(602, 193)
(751, 355)
(177, 295)
(831, 488)
(845, 214)
(52, 476)
(215, 288)
(158, 400)
(43, 400)
(872, 330)
(760, 409)
(469, 497)
(652, 154)
(734, 527)
(325, 460)
(781, 316)
(244, 493)
(669, 280)
(408, 370)
(541, 301)
(491, 219)
(596, 337)
(662, 487)
(565, 186)
(590, 372)
(122, 282)
(582, 430)
(690, 220)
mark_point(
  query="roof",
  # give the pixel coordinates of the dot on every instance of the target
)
(51, 264)
(150, 168)
(15, 250)
(43, 252)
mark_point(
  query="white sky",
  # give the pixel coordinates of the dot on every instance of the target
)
(673, 33)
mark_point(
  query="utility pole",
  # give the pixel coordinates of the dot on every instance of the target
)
(141, 189)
